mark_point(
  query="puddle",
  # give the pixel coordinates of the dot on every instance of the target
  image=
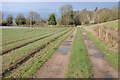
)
(92, 47)
(98, 55)
(63, 50)
(108, 76)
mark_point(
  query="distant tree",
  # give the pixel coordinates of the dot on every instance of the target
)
(28, 21)
(52, 19)
(33, 17)
(85, 16)
(20, 19)
(104, 15)
(9, 20)
(43, 21)
(66, 8)
(96, 9)
(67, 16)
(4, 23)
(114, 12)
(77, 19)
(59, 22)
(1, 17)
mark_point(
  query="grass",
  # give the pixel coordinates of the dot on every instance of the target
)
(18, 54)
(33, 37)
(13, 35)
(35, 63)
(110, 24)
(110, 55)
(79, 65)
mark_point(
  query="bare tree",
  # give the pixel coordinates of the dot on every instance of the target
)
(85, 16)
(34, 17)
(67, 14)
(114, 12)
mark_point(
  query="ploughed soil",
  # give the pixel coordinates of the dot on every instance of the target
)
(56, 66)
(101, 68)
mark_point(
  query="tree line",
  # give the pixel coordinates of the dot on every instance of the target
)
(32, 18)
(68, 17)
(86, 17)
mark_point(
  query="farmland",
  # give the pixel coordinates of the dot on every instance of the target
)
(66, 40)
(76, 52)
(23, 44)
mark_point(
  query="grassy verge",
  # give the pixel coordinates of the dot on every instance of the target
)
(110, 55)
(109, 24)
(79, 65)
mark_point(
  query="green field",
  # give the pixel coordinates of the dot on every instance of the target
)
(31, 48)
(24, 44)
(25, 50)
(23, 37)
(59, 40)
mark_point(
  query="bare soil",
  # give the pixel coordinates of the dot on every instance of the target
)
(56, 66)
(101, 68)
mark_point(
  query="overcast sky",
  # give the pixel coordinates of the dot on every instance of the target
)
(45, 8)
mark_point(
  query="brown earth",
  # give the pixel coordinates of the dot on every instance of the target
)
(56, 66)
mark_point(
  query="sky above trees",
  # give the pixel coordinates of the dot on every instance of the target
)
(45, 8)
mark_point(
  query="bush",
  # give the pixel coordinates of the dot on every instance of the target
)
(20, 20)
(4, 23)
(9, 20)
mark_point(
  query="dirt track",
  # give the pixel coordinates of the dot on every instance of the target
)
(56, 66)
(101, 68)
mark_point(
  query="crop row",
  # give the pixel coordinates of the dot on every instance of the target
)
(33, 64)
(11, 32)
(10, 47)
(23, 36)
(16, 56)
